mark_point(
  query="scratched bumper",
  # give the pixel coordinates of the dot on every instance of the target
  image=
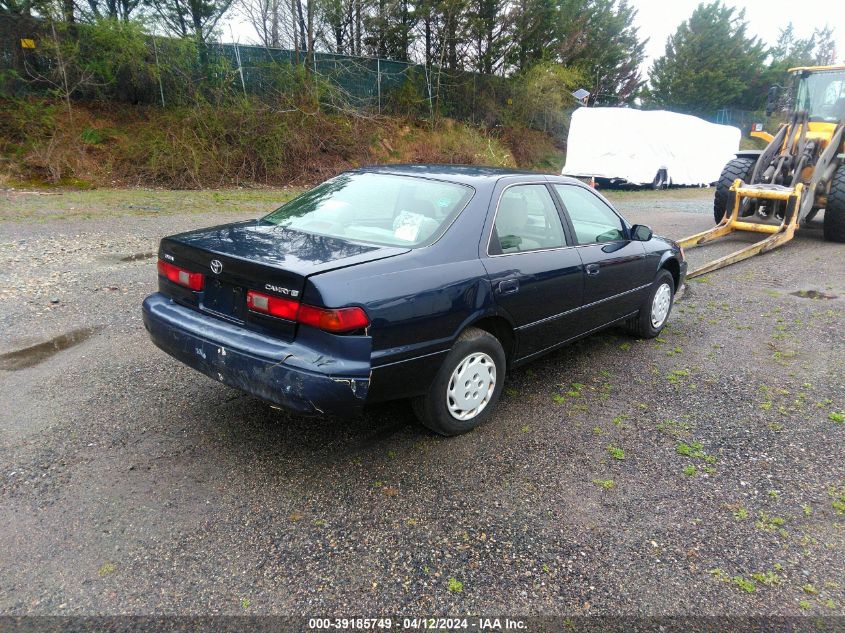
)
(317, 373)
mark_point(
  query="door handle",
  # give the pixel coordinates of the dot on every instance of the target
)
(593, 269)
(509, 286)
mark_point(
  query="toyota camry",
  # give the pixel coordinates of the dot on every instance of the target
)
(423, 282)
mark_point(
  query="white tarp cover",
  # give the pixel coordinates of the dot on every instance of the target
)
(635, 144)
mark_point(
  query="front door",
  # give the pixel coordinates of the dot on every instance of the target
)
(536, 274)
(616, 269)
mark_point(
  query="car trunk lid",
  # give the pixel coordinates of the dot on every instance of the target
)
(267, 258)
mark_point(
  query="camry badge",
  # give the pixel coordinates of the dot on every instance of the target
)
(216, 266)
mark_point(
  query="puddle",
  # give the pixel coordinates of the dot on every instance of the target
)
(137, 257)
(143, 207)
(38, 353)
(812, 294)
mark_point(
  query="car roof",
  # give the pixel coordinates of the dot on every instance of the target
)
(465, 174)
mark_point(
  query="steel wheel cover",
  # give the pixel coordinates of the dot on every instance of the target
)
(471, 386)
(660, 305)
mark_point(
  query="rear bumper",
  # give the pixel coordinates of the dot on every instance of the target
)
(315, 374)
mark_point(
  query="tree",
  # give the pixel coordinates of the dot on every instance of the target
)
(545, 99)
(68, 73)
(487, 34)
(338, 18)
(271, 19)
(595, 36)
(190, 18)
(599, 38)
(389, 29)
(16, 7)
(825, 46)
(114, 9)
(817, 50)
(534, 29)
(710, 63)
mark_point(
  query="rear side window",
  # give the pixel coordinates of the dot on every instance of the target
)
(527, 220)
(591, 218)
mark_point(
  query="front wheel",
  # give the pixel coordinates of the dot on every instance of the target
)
(723, 199)
(467, 386)
(655, 310)
(834, 212)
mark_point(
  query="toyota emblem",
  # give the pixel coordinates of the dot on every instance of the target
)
(216, 266)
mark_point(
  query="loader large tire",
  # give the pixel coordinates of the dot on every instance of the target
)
(741, 168)
(834, 212)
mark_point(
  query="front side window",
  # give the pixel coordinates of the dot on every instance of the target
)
(527, 220)
(822, 94)
(383, 209)
(591, 218)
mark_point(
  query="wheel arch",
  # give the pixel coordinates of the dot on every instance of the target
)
(670, 263)
(498, 326)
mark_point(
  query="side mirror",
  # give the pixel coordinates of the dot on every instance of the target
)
(641, 233)
(772, 100)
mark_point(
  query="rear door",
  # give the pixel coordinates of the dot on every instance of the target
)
(536, 274)
(616, 270)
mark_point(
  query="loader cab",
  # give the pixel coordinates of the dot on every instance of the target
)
(821, 93)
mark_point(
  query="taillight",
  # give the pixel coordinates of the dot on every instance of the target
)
(274, 306)
(180, 276)
(329, 319)
(334, 319)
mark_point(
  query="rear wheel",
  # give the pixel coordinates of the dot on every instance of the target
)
(466, 387)
(834, 212)
(655, 310)
(742, 168)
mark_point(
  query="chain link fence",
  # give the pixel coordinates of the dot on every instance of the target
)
(169, 71)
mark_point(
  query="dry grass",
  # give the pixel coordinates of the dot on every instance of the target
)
(213, 147)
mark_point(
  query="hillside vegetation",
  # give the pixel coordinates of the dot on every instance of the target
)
(98, 145)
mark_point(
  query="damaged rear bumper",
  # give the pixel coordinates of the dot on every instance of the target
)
(317, 373)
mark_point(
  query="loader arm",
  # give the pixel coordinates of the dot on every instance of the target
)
(791, 179)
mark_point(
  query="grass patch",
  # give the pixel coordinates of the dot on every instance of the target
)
(454, 585)
(615, 452)
(769, 523)
(837, 496)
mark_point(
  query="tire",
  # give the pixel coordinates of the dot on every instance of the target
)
(742, 168)
(475, 351)
(834, 212)
(643, 325)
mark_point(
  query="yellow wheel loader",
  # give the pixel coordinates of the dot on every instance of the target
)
(801, 171)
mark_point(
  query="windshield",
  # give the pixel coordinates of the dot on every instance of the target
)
(822, 95)
(377, 208)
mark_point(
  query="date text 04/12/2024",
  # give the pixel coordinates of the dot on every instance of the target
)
(425, 624)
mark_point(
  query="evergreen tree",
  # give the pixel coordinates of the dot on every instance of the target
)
(710, 63)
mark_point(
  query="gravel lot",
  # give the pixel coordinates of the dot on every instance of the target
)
(699, 473)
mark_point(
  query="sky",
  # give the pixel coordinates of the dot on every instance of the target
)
(658, 19)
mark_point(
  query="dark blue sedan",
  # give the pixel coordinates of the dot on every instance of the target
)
(422, 282)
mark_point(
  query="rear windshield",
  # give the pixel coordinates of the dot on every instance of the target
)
(377, 208)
